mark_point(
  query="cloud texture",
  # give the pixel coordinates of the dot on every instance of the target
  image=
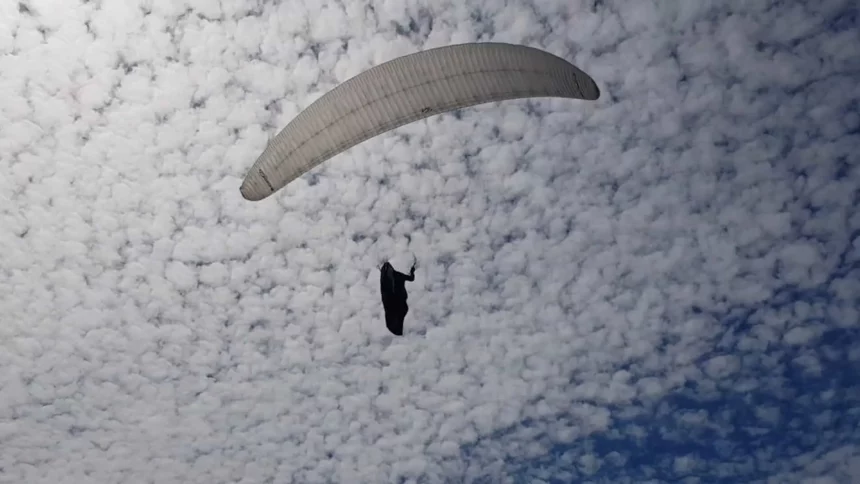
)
(659, 286)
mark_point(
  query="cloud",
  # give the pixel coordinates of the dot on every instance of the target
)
(658, 286)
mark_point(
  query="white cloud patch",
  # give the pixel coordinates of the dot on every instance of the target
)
(658, 286)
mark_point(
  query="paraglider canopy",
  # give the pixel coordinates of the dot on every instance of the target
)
(407, 89)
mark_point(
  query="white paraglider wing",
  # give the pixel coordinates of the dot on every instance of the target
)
(407, 89)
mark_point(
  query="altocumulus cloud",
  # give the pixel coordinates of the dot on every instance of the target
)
(659, 286)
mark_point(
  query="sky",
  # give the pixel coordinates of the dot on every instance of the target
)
(662, 285)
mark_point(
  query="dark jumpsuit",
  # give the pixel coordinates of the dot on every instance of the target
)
(393, 287)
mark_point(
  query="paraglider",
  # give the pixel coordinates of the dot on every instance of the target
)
(407, 89)
(392, 285)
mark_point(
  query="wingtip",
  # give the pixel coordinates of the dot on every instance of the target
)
(248, 193)
(592, 91)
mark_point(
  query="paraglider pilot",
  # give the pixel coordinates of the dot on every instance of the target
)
(393, 287)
